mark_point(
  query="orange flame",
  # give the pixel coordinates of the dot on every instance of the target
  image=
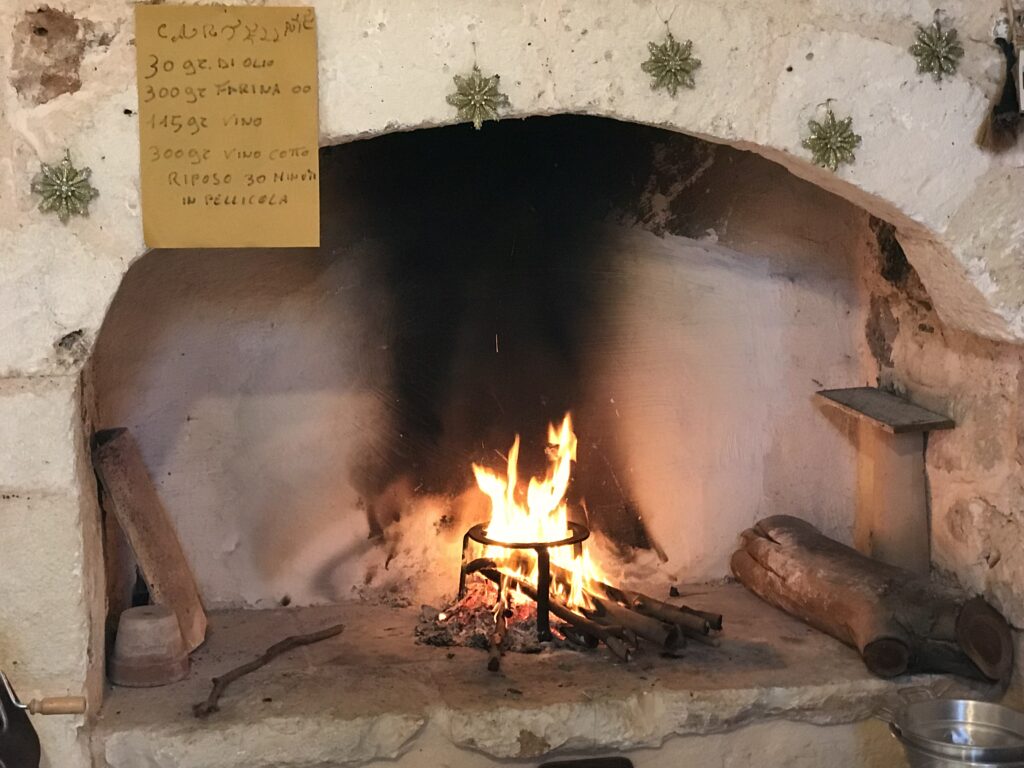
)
(543, 515)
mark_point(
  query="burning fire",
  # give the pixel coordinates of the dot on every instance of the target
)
(539, 514)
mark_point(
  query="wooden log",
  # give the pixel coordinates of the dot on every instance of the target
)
(662, 634)
(689, 623)
(884, 656)
(688, 619)
(141, 515)
(981, 633)
(713, 619)
(898, 621)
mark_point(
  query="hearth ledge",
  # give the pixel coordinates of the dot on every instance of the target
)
(266, 743)
(372, 695)
(648, 719)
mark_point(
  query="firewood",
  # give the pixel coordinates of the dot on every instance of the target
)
(898, 621)
(713, 619)
(689, 623)
(610, 636)
(637, 614)
(689, 620)
(662, 634)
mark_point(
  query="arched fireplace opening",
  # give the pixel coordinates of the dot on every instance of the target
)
(310, 416)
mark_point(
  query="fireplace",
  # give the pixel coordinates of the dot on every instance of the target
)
(343, 427)
(671, 271)
(473, 287)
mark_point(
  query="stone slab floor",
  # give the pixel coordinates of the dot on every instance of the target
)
(372, 696)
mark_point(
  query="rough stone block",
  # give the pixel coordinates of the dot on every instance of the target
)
(40, 420)
(44, 594)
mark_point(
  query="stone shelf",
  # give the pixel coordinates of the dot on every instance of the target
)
(373, 694)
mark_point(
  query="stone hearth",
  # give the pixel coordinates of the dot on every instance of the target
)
(371, 696)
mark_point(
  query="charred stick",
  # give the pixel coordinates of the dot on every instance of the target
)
(616, 645)
(689, 619)
(714, 620)
(687, 622)
(497, 638)
(628, 636)
(662, 634)
(605, 634)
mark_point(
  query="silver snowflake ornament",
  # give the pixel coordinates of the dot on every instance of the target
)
(832, 141)
(64, 189)
(937, 50)
(671, 65)
(477, 97)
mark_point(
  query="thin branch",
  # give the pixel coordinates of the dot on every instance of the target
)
(208, 707)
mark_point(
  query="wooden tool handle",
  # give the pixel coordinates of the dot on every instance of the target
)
(58, 705)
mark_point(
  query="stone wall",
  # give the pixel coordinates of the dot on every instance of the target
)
(386, 67)
(975, 471)
(51, 578)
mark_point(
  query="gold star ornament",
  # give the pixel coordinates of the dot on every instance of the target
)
(64, 189)
(477, 97)
(671, 65)
(832, 141)
(937, 50)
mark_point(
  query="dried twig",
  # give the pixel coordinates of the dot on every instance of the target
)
(208, 707)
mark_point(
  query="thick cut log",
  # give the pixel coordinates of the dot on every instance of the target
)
(898, 621)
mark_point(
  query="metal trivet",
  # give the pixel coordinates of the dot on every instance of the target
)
(478, 533)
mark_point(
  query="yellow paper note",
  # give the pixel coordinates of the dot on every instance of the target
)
(228, 126)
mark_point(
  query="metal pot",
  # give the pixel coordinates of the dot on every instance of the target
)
(952, 733)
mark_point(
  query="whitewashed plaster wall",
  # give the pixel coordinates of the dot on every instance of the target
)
(387, 67)
(714, 352)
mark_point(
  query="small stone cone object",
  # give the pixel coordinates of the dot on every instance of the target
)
(149, 650)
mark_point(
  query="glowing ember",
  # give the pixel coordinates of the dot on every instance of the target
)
(540, 514)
